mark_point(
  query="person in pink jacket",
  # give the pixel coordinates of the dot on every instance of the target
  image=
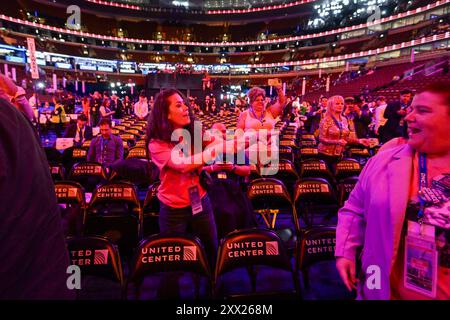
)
(373, 224)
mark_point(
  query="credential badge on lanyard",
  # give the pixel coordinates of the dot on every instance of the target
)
(103, 146)
(421, 256)
(260, 119)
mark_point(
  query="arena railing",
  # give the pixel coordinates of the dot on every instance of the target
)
(339, 58)
(230, 44)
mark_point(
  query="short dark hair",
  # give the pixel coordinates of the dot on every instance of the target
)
(82, 117)
(441, 88)
(405, 91)
(57, 99)
(142, 93)
(350, 100)
(105, 121)
(380, 98)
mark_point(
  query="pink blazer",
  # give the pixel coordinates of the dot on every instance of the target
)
(373, 217)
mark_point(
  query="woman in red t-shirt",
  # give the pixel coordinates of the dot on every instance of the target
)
(184, 201)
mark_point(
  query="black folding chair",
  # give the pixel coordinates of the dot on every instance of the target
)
(150, 211)
(115, 212)
(315, 198)
(284, 171)
(71, 200)
(100, 265)
(166, 257)
(274, 209)
(57, 171)
(347, 168)
(316, 262)
(261, 253)
(88, 174)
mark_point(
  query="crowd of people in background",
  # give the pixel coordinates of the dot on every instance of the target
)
(366, 116)
(405, 125)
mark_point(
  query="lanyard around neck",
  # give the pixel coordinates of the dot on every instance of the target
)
(338, 124)
(260, 119)
(103, 144)
(423, 181)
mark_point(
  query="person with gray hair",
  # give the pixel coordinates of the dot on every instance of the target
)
(259, 120)
(258, 115)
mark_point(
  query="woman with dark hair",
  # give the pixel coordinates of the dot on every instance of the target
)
(105, 111)
(127, 105)
(86, 108)
(183, 198)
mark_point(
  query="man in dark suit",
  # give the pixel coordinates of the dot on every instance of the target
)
(358, 117)
(395, 114)
(80, 132)
(316, 115)
(117, 106)
(96, 102)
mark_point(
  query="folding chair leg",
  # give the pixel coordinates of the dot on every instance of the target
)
(252, 275)
(305, 278)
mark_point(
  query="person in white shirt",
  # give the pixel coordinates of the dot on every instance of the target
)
(379, 119)
(296, 103)
(33, 101)
(141, 107)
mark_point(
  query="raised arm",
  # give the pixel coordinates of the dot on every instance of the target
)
(277, 108)
(174, 158)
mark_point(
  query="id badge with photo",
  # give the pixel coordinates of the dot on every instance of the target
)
(196, 201)
(421, 260)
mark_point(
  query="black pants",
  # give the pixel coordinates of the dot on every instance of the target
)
(202, 225)
(181, 221)
(331, 161)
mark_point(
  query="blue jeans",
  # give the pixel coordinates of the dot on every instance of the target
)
(202, 225)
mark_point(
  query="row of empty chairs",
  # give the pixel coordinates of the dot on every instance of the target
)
(114, 209)
(257, 257)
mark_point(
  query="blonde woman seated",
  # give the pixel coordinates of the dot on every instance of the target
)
(335, 133)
